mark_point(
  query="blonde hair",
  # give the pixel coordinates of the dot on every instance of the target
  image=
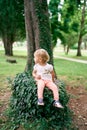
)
(42, 54)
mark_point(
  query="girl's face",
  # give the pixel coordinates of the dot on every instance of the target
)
(36, 60)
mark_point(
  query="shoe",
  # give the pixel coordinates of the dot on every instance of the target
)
(40, 103)
(57, 104)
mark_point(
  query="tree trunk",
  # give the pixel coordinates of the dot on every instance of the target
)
(85, 45)
(29, 33)
(81, 29)
(67, 51)
(8, 46)
(44, 26)
(37, 29)
(79, 46)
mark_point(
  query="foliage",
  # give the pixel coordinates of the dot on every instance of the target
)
(37, 29)
(69, 17)
(55, 23)
(72, 22)
(63, 20)
(12, 26)
(12, 19)
(69, 40)
(24, 111)
(41, 10)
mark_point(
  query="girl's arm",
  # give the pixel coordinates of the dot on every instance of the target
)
(34, 73)
(53, 75)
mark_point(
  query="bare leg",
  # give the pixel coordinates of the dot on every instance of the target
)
(40, 85)
(54, 89)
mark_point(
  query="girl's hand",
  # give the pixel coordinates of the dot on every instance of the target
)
(38, 76)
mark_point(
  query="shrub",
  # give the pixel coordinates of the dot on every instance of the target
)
(24, 111)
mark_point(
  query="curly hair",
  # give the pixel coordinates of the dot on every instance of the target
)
(42, 54)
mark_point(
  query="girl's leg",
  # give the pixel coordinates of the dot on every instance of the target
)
(40, 88)
(54, 89)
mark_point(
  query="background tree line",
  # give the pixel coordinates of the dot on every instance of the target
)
(68, 22)
(71, 28)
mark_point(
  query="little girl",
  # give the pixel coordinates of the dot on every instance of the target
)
(44, 76)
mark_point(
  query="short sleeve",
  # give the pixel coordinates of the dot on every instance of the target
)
(51, 68)
(35, 67)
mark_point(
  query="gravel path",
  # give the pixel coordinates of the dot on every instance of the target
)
(72, 59)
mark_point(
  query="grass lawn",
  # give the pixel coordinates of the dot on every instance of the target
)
(72, 53)
(10, 70)
(72, 73)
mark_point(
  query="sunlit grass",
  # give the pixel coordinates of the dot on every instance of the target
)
(72, 53)
(9, 69)
(72, 73)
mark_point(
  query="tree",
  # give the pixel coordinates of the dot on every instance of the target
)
(66, 25)
(71, 38)
(24, 110)
(83, 8)
(85, 41)
(24, 113)
(37, 29)
(55, 23)
(73, 20)
(11, 23)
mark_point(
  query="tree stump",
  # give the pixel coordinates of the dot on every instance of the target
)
(11, 61)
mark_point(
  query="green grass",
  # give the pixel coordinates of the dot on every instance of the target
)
(10, 70)
(72, 53)
(72, 73)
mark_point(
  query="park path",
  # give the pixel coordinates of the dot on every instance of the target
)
(72, 59)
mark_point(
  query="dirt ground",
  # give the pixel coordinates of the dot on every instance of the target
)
(77, 103)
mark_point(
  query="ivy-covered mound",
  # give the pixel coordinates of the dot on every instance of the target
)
(25, 112)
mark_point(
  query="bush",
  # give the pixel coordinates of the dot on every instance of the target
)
(25, 112)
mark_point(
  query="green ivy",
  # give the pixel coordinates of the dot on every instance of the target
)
(44, 26)
(24, 111)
